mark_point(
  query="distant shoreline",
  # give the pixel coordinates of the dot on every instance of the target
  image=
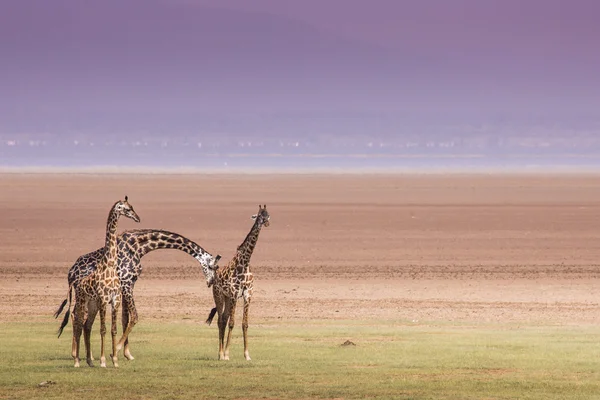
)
(142, 170)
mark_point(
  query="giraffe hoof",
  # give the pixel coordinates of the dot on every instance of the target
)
(128, 356)
(90, 362)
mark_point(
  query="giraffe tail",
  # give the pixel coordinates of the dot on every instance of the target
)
(64, 303)
(211, 315)
(65, 320)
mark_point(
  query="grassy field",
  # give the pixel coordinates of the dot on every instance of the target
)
(307, 360)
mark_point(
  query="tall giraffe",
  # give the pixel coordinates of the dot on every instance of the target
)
(235, 281)
(132, 246)
(102, 287)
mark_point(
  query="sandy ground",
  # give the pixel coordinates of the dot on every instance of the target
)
(474, 249)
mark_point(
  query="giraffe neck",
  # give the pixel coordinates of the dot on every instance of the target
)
(145, 241)
(109, 258)
(245, 250)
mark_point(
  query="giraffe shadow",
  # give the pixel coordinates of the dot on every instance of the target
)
(214, 362)
(202, 358)
(56, 358)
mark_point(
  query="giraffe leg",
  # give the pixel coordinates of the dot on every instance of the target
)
(231, 324)
(129, 319)
(223, 319)
(245, 326)
(87, 331)
(220, 306)
(125, 322)
(102, 311)
(78, 318)
(113, 331)
(221, 335)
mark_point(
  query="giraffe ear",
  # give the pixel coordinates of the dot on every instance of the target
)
(254, 216)
(217, 258)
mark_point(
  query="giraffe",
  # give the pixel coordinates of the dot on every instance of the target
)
(103, 287)
(235, 281)
(132, 246)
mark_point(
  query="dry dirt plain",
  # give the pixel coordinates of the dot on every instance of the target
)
(457, 248)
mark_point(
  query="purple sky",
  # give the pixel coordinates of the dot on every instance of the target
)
(167, 60)
(444, 25)
(557, 38)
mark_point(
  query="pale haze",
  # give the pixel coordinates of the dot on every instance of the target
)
(191, 83)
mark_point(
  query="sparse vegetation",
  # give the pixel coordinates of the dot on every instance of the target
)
(306, 360)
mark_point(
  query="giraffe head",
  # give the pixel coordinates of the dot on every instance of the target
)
(209, 266)
(123, 207)
(262, 216)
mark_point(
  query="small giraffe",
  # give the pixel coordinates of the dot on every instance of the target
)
(132, 246)
(104, 288)
(235, 281)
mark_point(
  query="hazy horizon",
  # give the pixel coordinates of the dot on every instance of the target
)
(168, 82)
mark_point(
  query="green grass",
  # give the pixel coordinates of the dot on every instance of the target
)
(305, 360)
